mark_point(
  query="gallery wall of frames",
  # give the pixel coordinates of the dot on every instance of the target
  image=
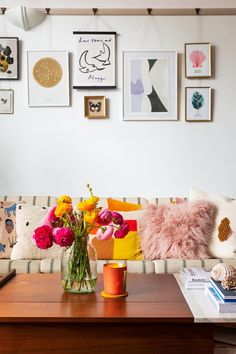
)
(133, 105)
(149, 78)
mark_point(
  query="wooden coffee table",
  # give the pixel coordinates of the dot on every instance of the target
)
(37, 316)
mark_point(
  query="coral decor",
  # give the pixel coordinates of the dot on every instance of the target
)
(67, 228)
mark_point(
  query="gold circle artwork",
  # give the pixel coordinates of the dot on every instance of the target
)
(47, 72)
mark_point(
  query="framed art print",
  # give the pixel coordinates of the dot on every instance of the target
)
(9, 58)
(48, 78)
(6, 101)
(198, 104)
(150, 85)
(197, 60)
(95, 106)
(96, 60)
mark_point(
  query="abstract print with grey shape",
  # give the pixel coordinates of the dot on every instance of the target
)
(149, 85)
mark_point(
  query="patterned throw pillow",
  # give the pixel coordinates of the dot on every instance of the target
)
(7, 228)
(28, 217)
(129, 247)
(223, 238)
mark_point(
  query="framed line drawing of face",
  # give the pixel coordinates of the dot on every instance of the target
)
(48, 78)
(96, 60)
(198, 104)
(6, 101)
(150, 86)
(95, 107)
(9, 58)
(197, 60)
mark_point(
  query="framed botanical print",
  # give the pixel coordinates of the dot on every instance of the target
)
(150, 85)
(197, 60)
(198, 104)
(96, 60)
(95, 106)
(9, 58)
(48, 78)
(6, 101)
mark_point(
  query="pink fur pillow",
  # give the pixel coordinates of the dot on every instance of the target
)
(177, 230)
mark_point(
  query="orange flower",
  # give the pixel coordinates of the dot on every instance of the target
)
(62, 209)
(90, 216)
(88, 205)
(64, 199)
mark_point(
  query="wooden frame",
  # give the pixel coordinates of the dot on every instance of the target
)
(9, 58)
(197, 60)
(6, 101)
(95, 107)
(150, 85)
(201, 101)
(96, 63)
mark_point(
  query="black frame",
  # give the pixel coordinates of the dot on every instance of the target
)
(17, 58)
(101, 86)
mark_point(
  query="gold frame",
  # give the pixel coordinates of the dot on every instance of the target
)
(185, 60)
(88, 113)
(209, 107)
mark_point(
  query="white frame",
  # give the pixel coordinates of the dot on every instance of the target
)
(9, 94)
(204, 68)
(58, 95)
(171, 107)
(91, 71)
(191, 113)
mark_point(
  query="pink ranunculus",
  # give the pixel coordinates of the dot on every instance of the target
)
(51, 220)
(63, 236)
(104, 217)
(105, 233)
(117, 218)
(43, 237)
(122, 231)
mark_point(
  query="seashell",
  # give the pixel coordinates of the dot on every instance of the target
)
(223, 270)
(229, 283)
(197, 57)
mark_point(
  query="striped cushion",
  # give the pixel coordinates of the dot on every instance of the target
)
(32, 200)
(165, 201)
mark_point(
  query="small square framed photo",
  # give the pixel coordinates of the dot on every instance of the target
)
(6, 101)
(197, 60)
(95, 106)
(198, 104)
(9, 58)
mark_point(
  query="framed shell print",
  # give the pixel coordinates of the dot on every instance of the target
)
(197, 60)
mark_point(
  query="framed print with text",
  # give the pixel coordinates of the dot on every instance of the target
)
(197, 60)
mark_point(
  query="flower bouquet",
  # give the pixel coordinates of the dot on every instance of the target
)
(70, 229)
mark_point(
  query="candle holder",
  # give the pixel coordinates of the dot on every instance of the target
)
(114, 277)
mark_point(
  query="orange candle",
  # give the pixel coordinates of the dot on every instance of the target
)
(114, 276)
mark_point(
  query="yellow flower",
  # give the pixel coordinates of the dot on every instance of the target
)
(90, 216)
(64, 199)
(62, 209)
(88, 205)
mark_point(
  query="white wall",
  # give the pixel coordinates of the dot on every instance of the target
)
(56, 150)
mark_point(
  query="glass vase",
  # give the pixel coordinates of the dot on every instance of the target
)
(79, 267)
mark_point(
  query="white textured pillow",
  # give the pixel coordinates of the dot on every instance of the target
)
(28, 217)
(223, 239)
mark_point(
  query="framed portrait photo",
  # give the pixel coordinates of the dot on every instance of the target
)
(150, 85)
(95, 107)
(96, 60)
(197, 60)
(198, 104)
(48, 78)
(6, 101)
(9, 58)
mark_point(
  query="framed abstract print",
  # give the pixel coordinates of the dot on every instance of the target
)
(9, 58)
(197, 60)
(150, 85)
(48, 78)
(198, 104)
(96, 60)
